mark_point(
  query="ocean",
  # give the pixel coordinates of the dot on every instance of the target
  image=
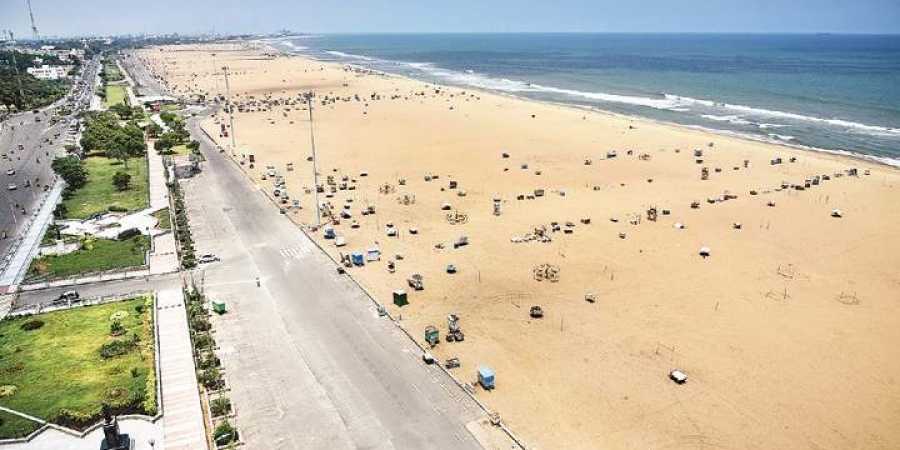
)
(837, 93)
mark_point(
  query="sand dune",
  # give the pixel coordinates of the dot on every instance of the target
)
(787, 331)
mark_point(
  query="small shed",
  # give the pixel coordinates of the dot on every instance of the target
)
(486, 377)
(400, 298)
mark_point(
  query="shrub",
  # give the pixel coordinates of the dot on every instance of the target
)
(72, 419)
(122, 181)
(115, 348)
(220, 406)
(209, 361)
(128, 234)
(210, 378)
(117, 208)
(204, 342)
(150, 394)
(33, 324)
(200, 324)
(225, 433)
(8, 390)
(116, 328)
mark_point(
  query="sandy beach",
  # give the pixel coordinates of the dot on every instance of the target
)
(787, 330)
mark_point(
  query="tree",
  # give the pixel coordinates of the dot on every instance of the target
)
(122, 110)
(154, 130)
(194, 146)
(122, 180)
(71, 169)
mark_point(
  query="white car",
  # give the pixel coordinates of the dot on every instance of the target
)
(207, 258)
(10, 172)
(12, 186)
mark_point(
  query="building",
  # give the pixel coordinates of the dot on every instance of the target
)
(46, 72)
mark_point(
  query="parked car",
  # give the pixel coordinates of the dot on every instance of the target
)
(12, 186)
(207, 258)
(10, 172)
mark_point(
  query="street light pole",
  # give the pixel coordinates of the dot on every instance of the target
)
(312, 141)
(230, 110)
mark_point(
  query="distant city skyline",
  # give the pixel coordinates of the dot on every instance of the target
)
(111, 17)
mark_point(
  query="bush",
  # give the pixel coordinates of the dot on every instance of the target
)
(32, 325)
(128, 234)
(225, 433)
(209, 361)
(150, 394)
(61, 211)
(220, 406)
(204, 342)
(117, 208)
(122, 181)
(200, 324)
(211, 378)
(116, 328)
(115, 348)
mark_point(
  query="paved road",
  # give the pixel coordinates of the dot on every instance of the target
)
(40, 142)
(326, 370)
(145, 84)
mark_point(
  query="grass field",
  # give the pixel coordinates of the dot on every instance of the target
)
(106, 254)
(112, 72)
(180, 149)
(114, 94)
(165, 220)
(99, 194)
(58, 366)
(13, 426)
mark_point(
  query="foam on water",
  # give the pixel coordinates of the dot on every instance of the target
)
(734, 114)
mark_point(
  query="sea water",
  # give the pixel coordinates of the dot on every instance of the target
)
(834, 92)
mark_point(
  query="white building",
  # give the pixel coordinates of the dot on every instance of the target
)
(46, 72)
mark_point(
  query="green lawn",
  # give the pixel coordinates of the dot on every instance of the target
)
(13, 426)
(112, 72)
(58, 366)
(114, 94)
(165, 220)
(105, 254)
(99, 194)
(180, 149)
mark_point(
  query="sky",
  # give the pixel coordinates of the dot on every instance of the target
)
(107, 17)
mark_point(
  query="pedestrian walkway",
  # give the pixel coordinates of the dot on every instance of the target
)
(163, 258)
(140, 431)
(14, 272)
(182, 414)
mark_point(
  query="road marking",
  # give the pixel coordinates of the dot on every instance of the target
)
(295, 252)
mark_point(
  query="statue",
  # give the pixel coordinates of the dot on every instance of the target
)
(112, 439)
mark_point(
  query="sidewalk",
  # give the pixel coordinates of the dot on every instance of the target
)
(18, 265)
(182, 414)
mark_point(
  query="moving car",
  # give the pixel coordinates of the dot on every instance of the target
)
(207, 258)
(69, 295)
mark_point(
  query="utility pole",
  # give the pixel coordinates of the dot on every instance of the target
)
(230, 107)
(312, 141)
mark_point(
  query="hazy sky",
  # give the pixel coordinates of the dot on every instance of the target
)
(68, 17)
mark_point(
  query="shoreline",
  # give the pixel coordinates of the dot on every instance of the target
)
(883, 161)
(765, 298)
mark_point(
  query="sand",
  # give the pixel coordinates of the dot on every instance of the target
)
(788, 331)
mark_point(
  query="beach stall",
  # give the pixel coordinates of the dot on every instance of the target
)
(486, 377)
(357, 259)
(400, 298)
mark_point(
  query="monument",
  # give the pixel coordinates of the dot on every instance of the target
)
(112, 439)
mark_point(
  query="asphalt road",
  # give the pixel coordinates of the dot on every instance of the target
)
(145, 84)
(307, 356)
(40, 142)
